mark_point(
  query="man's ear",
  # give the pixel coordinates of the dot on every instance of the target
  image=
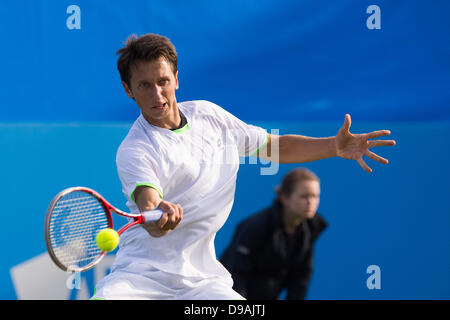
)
(127, 90)
(176, 80)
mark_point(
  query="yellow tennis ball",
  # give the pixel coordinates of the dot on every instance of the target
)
(107, 239)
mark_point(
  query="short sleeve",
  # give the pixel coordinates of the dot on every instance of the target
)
(249, 138)
(136, 168)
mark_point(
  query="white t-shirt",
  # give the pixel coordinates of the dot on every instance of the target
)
(195, 166)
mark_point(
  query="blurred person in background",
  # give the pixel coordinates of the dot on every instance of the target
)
(272, 250)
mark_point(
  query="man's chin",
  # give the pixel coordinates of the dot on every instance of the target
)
(155, 113)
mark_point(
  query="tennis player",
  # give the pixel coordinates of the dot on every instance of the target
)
(183, 157)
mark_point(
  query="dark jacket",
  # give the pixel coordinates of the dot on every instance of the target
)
(263, 260)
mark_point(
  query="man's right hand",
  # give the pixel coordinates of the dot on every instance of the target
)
(173, 213)
(147, 199)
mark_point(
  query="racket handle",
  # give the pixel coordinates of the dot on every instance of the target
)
(152, 215)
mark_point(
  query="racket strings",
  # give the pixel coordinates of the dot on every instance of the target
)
(75, 222)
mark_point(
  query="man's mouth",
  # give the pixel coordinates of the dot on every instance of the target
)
(160, 106)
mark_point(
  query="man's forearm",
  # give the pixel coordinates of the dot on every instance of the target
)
(297, 149)
(146, 198)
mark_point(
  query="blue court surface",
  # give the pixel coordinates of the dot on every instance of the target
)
(395, 218)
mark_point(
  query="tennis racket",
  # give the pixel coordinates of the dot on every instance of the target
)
(74, 218)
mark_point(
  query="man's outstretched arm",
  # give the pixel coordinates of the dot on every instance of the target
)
(298, 149)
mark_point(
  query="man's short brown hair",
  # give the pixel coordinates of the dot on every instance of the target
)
(148, 47)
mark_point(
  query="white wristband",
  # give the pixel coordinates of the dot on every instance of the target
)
(152, 215)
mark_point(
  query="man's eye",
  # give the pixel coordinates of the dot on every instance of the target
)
(163, 82)
(144, 84)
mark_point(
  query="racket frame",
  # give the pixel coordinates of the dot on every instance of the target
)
(138, 219)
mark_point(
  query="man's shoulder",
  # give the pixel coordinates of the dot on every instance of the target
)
(136, 142)
(196, 103)
(134, 137)
(198, 106)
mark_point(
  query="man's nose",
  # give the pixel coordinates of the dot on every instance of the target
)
(157, 92)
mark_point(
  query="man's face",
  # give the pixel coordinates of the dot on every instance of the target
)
(153, 86)
(304, 200)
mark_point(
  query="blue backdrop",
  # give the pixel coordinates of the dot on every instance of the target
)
(283, 60)
(297, 66)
